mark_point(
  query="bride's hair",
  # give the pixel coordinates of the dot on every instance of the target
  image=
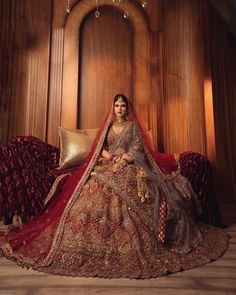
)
(124, 98)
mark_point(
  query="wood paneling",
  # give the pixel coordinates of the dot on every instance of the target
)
(183, 104)
(25, 43)
(71, 64)
(156, 99)
(59, 15)
(6, 66)
(106, 65)
(223, 49)
(55, 86)
(208, 93)
(146, 98)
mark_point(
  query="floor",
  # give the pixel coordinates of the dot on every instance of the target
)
(216, 278)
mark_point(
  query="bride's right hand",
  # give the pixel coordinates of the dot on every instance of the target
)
(117, 159)
(105, 154)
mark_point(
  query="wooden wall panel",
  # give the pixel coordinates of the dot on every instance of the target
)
(7, 64)
(55, 86)
(232, 85)
(14, 71)
(71, 63)
(223, 48)
(25, 44)
(106, 65)
(156, 99)
(183, 104)
(59, 16)
(151, 15)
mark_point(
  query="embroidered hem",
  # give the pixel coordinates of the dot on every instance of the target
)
(134, 264)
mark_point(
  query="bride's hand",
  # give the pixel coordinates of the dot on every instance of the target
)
(117, 159)
(105, 154)
(127, 157)
(118, 166)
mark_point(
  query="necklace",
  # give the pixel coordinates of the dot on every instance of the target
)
(120, 121)
(119, 126)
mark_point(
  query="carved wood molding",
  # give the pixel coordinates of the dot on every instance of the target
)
(141, 83)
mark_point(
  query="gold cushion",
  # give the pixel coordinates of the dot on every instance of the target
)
(75, 145)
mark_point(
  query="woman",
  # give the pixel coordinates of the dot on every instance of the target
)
(118, 215)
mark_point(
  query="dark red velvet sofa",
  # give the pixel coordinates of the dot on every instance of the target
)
(28, 169)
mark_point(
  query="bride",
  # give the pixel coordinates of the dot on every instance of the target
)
(125, 212)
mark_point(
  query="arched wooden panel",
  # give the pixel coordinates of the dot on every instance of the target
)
(71, 60)
(106, 64)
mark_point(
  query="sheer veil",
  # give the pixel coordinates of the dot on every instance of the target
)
(182, 233)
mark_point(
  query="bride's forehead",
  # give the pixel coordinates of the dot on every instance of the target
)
(118, 103)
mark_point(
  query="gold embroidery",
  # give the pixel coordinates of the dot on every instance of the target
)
(142, 184)
(75, 195)
(106, 231)
(54, 187)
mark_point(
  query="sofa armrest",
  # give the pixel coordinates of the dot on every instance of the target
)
(198, 170)
(24, 166)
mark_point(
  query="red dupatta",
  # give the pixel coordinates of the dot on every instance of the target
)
(62, 198)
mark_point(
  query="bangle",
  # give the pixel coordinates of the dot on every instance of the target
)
(112, 157)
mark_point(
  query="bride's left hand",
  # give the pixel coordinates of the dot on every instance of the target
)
(127, 157)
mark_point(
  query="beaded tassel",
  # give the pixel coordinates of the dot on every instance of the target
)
(141, 177)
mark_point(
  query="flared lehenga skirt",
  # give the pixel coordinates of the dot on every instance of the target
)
(104, 237)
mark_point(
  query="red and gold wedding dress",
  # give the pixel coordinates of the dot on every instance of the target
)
(137, 222)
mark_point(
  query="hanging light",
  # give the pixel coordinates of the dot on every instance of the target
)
(68, 8)
(97, 12)
(126, 12)
(143, 3)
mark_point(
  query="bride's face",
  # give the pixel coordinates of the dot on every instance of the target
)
(120, 109)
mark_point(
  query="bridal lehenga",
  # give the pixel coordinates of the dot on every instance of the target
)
(137, 222)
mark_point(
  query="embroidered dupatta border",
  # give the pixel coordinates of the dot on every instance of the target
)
(54, 187)
(122, 195)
